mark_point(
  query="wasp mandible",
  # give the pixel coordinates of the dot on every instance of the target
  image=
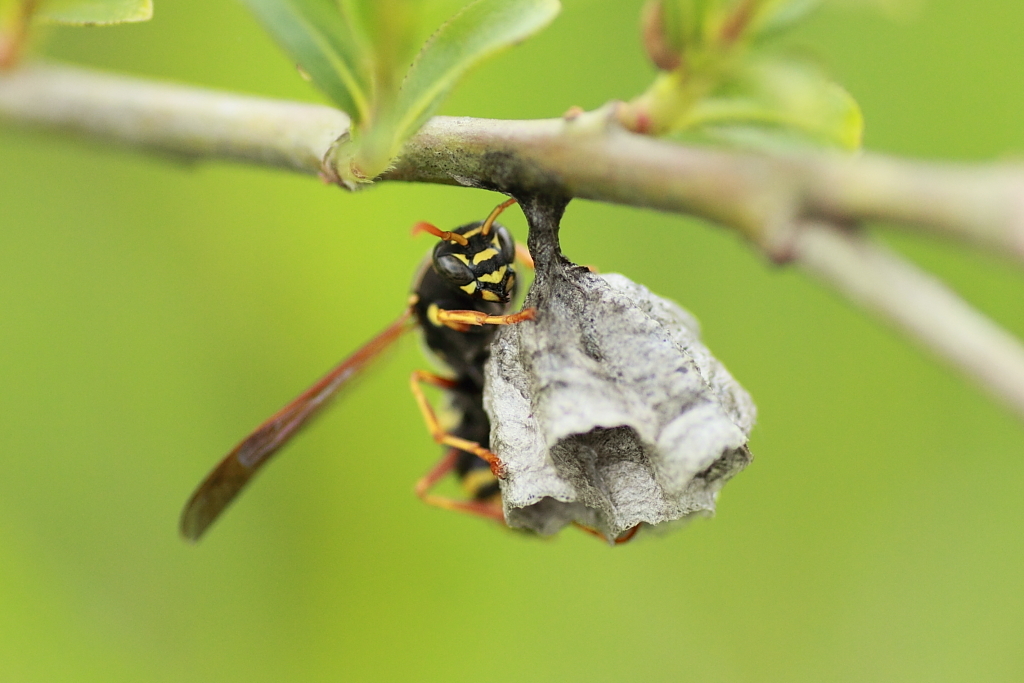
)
(462, 291)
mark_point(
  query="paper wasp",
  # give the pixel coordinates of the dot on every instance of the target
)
(461, 293)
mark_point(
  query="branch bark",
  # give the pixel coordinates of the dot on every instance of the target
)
(792, 206)
(917, 304)
(178, 120)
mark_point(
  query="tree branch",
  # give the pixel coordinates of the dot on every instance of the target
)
(789, 205)
(183, 121)
(917, 304)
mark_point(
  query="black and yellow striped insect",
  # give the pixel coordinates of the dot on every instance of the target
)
(461, 292)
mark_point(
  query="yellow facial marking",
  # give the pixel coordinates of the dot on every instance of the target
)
(432, 310)
(484, 255)
(462, 257)
(494, 276)
(472, 233)
(489, 296)
(510, 283)
(470, 288)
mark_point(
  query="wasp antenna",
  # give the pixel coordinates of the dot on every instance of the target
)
(423, 226)
(486, 228)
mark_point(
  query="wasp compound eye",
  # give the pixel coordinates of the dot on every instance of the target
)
(453, 269)
(506, 245)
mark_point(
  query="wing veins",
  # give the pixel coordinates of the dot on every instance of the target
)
(239, 466)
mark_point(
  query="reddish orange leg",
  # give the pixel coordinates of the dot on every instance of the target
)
(441, 436)
(523, 255)
(423, 226)
(458, 319)
(473, 507)
(15, 35)
(622, 538)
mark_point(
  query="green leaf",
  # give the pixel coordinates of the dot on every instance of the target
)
(94, 12)
(774, 16)
(691, 24)
(388, 29)
(478, 31)
(780, 102)
(683, 22)
(325, 45)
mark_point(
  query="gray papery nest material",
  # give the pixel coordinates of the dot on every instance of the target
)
(607, 409)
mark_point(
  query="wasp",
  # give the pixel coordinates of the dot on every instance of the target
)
(462, 292)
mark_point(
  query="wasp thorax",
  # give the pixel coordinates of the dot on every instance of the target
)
(483, 267)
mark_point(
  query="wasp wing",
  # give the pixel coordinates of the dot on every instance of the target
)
(231, 475)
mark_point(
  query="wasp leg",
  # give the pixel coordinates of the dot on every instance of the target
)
(15, 33)
(622, 538)
(473, 507)
(441, 436)
(458, 319)
(523, 255)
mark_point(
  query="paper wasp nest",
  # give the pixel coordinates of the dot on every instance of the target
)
(607, 409)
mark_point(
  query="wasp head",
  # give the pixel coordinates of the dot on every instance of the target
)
(482, 267)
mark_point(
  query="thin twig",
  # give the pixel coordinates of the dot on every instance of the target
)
(588, 156)
(916, 303)
(179, 120)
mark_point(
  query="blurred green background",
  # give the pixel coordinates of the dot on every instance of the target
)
(152, 313)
